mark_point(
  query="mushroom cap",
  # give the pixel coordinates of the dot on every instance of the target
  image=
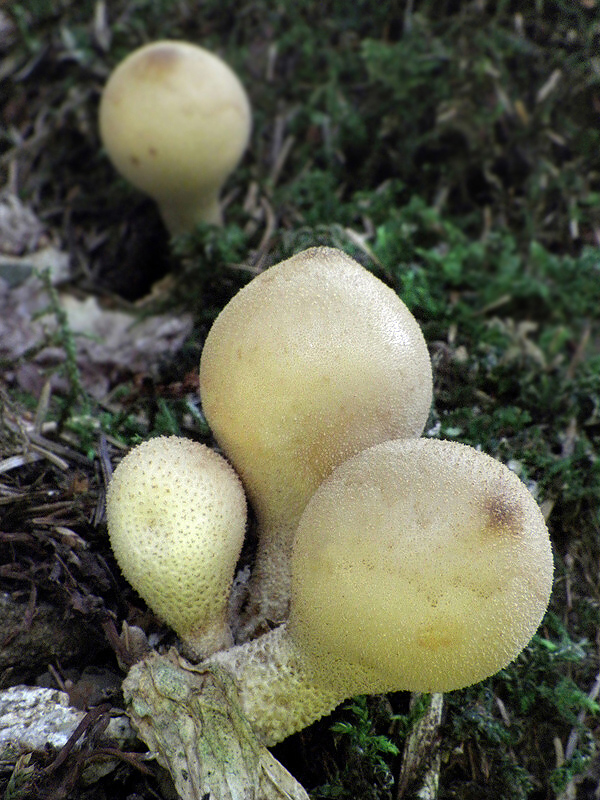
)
(418, 564)
(312, 361)
(174, 119)
(176, 515)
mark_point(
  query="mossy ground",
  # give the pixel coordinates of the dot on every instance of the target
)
(454, 149)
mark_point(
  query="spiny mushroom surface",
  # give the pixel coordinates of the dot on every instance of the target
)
(314, 360)
(418, 564)
(175, 121)
(176, 514)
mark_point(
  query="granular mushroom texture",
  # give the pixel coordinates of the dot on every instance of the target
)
(176, 516)
(312, 361)
(418, 564)
(446, 548)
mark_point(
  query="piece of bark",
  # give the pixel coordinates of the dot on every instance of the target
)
(190, 719)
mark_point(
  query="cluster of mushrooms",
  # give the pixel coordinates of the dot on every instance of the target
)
(386, 560)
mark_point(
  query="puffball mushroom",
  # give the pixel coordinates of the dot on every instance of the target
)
(418, 564)
(175, 121)
(176, 514)
(314, 360)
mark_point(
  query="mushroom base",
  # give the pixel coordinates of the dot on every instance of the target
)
(276, 687)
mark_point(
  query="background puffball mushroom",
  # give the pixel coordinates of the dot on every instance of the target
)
(176, 514)
(314, 360)
(175, 121)
(418, 564)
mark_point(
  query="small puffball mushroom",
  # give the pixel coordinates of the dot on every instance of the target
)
(175, 121)
(176, 514)
(418, 564)
(314, 360)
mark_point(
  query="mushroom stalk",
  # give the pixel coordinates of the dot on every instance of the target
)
(181, 213)
(276, 687)
(267, 604)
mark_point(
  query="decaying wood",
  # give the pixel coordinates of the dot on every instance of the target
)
(190, 719)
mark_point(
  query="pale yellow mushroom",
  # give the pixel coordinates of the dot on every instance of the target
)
(175, 121)
(418, 564)
(176, 514)
(311, 362)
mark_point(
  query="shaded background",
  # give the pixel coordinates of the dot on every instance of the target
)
(453, 148)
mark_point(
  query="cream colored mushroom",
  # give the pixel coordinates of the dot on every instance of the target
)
(175, 121)
(418, 564)
(176, 514)
(311, 362)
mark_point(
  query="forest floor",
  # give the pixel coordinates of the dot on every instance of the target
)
(453, 148)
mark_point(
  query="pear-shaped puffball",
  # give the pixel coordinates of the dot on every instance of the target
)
(312, 361)
(417, 564)
(423, 564)
(176, 515)
(175, 121)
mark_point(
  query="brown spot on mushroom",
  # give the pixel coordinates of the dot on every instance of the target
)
(152, 152)
(134, 160)
(504, 515)
(159, 59)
